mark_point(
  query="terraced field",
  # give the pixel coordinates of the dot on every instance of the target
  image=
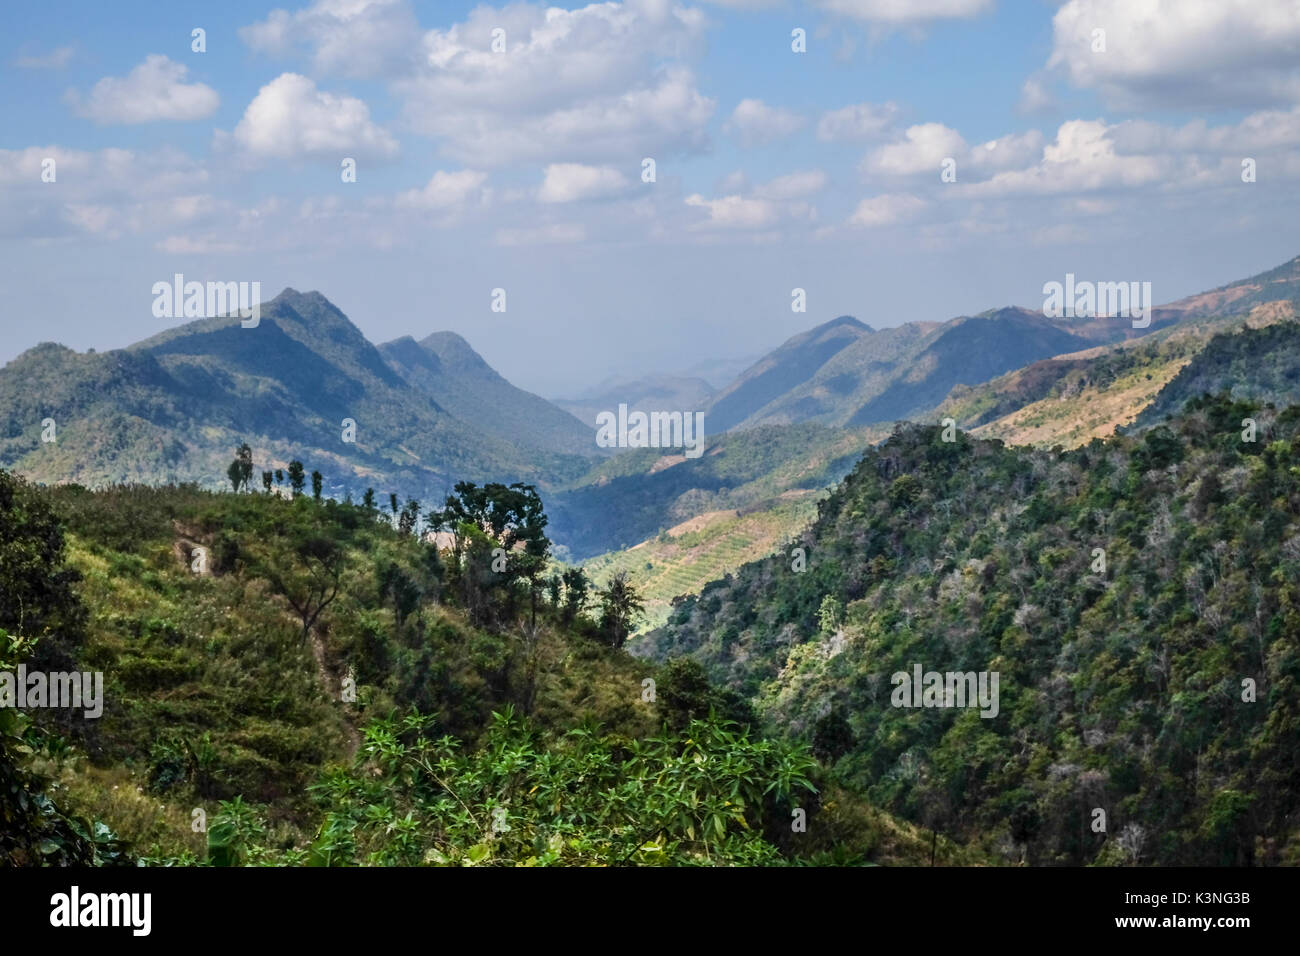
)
(709, 546)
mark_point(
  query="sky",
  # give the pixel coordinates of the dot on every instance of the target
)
(505, 147)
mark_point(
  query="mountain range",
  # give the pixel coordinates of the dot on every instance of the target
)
(430, 412)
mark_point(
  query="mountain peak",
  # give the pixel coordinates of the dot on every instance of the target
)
(455, 352)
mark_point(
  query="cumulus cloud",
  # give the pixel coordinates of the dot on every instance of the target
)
(922, 150)
(351, 37)
(581, 85)
(857, 122)
(447, 191)
(1193, 53)
(153, 91)
(754, 123)
(886, 210)
(567, 182)
(1082, 158)
(736, 212)
(291, 118)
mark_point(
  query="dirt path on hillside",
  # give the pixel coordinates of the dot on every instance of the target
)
(330, 683)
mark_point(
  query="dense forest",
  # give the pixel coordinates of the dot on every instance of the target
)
(1139, 597)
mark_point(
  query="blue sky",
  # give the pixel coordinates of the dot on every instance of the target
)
(521, 169)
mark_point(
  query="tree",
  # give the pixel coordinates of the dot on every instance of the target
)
(409, 519)
(832, 736)
(266, 482)
(512, 517)
(38, 598)
(316, 480)
(279, 476)
(297, 477)
(576, 589)
(368, 499)
(240, 471)
(620, 606)
(312, 582)
(830, 614)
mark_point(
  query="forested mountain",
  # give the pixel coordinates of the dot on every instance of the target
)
(781, 370)
(170, 408)
(1139, 597)
(845, 373)
(1261, 364)
(638, 494)
(448, 370)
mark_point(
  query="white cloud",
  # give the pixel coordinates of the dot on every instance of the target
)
(567, 182)
(352, 37)
(1006, 152)
(886, 210)
(1083, 158)
(155, 90)
(754, 123)
(922, 150)
(1035, 97)
(585, 85)
(291, 118)
(736, 212)
(446, 190)
(857, 122)
(56, 59)
(1192, 53)
(793, 185)
(1264, 130)
(905, 11)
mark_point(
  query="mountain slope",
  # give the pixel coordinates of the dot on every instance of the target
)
(1115, 680)
(1259, 364)
(449, 371)
(780, 371)
(173, 408)
(905, 371)
(966, 351)
(648, 394)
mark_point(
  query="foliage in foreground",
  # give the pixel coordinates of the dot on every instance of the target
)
(710, 795)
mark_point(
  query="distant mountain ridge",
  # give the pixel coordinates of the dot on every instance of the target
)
(174, 406)
(847, 374)
(446, 368)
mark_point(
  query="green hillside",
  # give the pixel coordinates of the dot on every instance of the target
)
(1121, 685)
(169, 409)
(639, 493)
(448, 370)
(477, 734)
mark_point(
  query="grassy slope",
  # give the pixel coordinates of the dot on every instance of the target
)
(1071, 399)
(682, 559)
(211, 691)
